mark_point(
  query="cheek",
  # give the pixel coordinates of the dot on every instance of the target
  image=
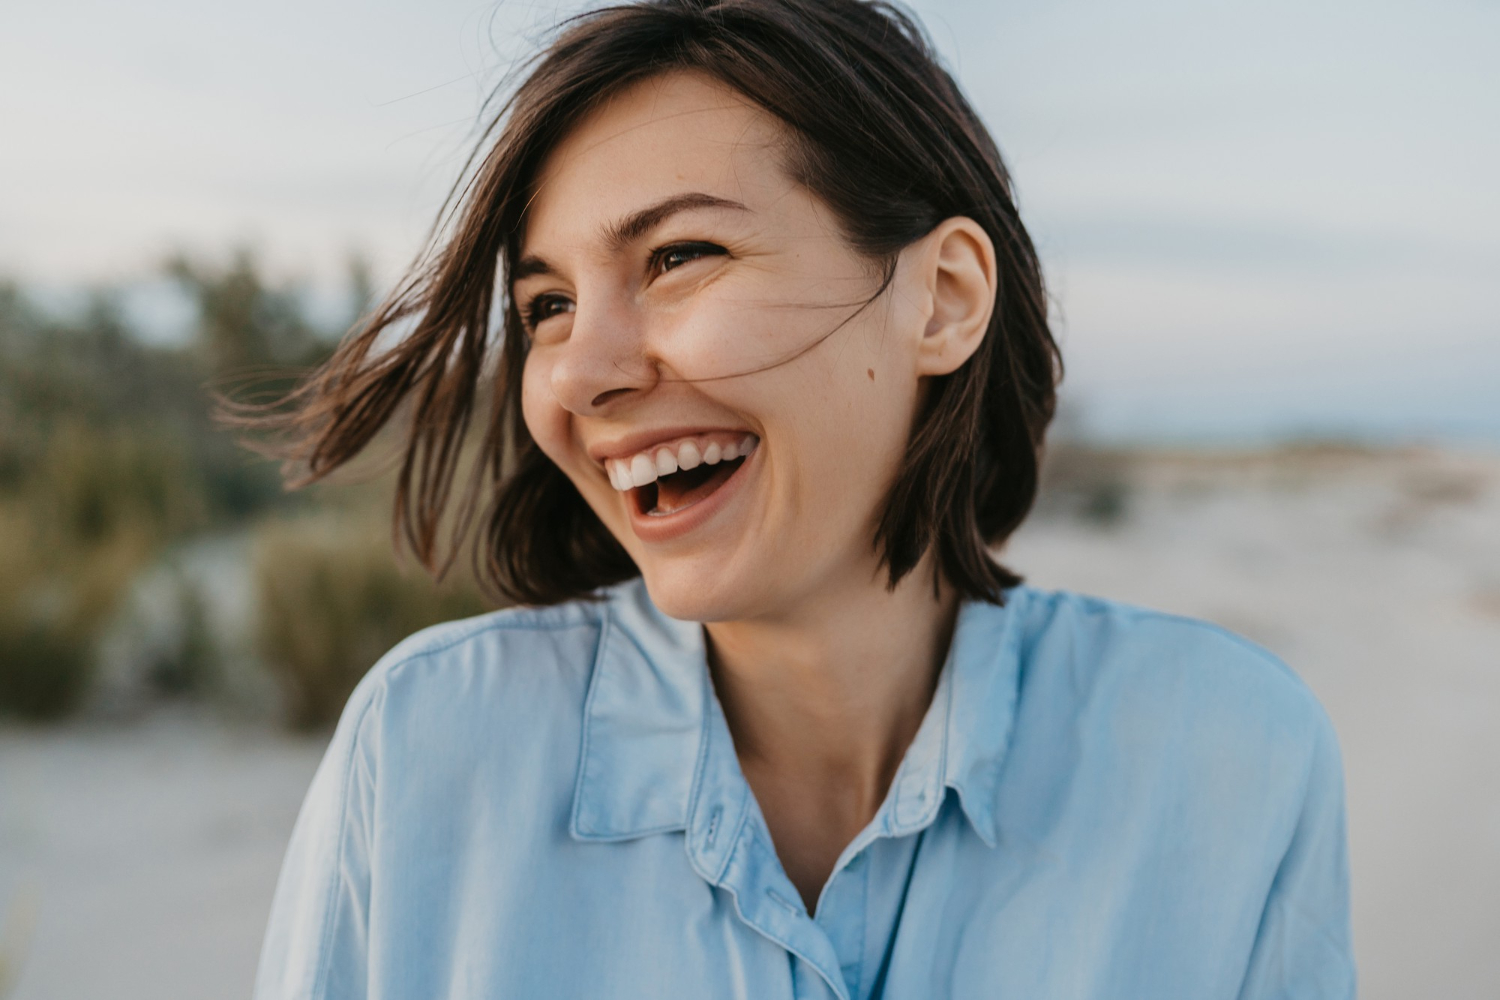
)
(545, 418)
(739, 329)
(855, 428)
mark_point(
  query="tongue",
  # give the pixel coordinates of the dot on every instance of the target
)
(682, 489)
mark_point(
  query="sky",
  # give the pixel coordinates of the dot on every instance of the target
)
(1258, 219)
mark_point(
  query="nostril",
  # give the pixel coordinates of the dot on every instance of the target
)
(605, 397)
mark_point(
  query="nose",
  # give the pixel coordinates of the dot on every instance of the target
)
(603, 361)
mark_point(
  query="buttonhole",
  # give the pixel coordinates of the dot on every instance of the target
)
(791, 907)
(713, 827)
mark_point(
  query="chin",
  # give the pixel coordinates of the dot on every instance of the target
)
(696, 592)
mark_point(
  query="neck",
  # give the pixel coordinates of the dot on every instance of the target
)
(831, 694)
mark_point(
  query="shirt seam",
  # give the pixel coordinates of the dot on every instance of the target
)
(332, 906)
(445, 643)
(1272, 898)
(1099, 605)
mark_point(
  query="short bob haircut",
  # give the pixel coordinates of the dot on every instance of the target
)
(875, 127)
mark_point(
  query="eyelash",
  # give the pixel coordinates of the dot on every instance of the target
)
(656, 260)
(699, 248)
(534, 310)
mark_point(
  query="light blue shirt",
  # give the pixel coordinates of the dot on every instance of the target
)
(1101, 802)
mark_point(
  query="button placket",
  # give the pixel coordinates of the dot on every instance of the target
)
(730, 847)
(842, 913)
(766, 900)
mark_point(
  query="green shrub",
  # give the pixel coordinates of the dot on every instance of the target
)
(108, 455)
(44, 669)
(95, 484)
(331, 600)
(93, 508)
(54, 601)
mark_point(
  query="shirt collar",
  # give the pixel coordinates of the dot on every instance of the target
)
(656, 749)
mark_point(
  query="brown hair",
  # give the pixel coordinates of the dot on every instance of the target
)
(879, 131)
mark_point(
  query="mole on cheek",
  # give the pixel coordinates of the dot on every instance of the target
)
(870, 372)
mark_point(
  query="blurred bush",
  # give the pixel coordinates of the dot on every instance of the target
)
(93, 506)
(1085, 483)
(53, 604)
(189, 665)
(112, 470)
(332, 600)
(109, 455)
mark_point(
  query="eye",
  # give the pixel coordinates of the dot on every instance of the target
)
(676, 254)
(544, 307)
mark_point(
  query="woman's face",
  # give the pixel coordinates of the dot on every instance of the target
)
(701, 367)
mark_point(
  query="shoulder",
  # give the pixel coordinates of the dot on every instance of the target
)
(1158, 679)
(495, 675)
(1103, 642)
(496, 642)
(478, 717)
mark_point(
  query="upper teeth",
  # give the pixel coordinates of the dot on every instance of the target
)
(665, 459)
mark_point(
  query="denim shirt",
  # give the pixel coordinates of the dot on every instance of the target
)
(1100, 802)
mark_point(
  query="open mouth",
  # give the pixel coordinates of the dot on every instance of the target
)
(680, 490)
(672, 476)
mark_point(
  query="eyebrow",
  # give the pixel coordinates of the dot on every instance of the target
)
(622, 233)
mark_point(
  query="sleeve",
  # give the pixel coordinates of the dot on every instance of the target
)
(316, 945)
(1303, 949)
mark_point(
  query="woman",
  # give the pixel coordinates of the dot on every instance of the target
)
(772, 379)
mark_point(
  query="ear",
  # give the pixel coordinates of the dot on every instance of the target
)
(957, 264)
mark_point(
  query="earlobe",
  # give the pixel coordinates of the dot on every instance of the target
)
(960, 273)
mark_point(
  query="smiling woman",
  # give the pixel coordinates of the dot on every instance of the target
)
(773, 374)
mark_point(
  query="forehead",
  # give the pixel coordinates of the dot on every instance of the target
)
(674, 134)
